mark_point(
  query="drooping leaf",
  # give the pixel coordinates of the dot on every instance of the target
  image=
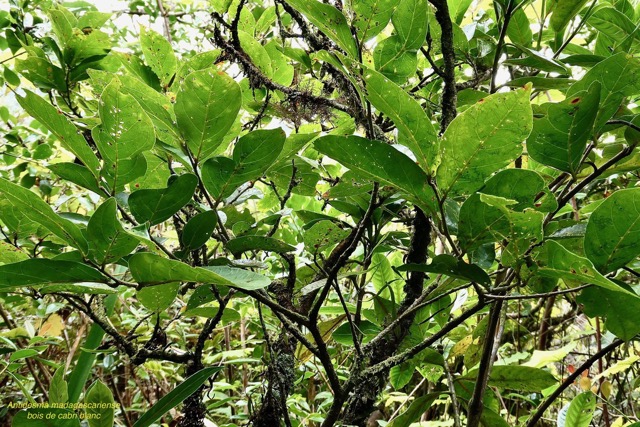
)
(99, 395)
(78, 174)
(559, 263)
(410, 21)
(379, 162)
(560, 136)
(330, 21)
(158, 54)
(483, 139)
(151, 269)
(156, 206)
(452, 267)
(39, 211)
(108, 240)
(612, 238)
(176, 396)
(198, 230)
(61, 127)
(413, 122)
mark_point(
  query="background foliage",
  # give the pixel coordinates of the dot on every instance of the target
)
(308, 213)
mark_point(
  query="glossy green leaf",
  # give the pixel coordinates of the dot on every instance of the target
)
(78, 174)
(410, 21)
(612, 238)
(99, 394)
(207, 104)
(61, 127)
(39, 271)
(198, 230)
(379, 162)
(37, 210)
(483, 139)
(158, 54)
(257, 53)
(619, 76)
(412, 121)
(371, 17)
(559, 263)
(452, 267)
(394, 61)
(563, 12)
(519, 29)
(560, 135)
(520, 378)
(176, 396)
(150, 269)
(581, 410)
(158, 298)
(613, 23)
(108, 240)
(251, 243)
(330, 21)
(82, 288)
(254, 153)
(156, 206)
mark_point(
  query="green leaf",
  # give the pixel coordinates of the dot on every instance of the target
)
(379, 162)
(415, 126)
(176, 396)
(619, 311)
(559, 263)
(198, 230)
(158, 54)
(150, 269)
(100, 395)
(61, 127)
(37, 210)
(418, 407)
(84, 288)
(156, 206)
(257, 53)
(78, 174)
(125, 130)
(207, 104)
(158, 298)
(37, 417)
(520, 378)
(563, 12)
(39, 271)
(452, 267)
(612, 23)
(519, 29)
(483, 139)
(10, 254)
(619, 76)
(581, 410)
(58, 392)
(410, 21)
(254, 153)
(323, 234)
(393, 61)
(108, 240)
(251, 243)
(560, 133)
(371, 17)
(612, 238)
(330, 21)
